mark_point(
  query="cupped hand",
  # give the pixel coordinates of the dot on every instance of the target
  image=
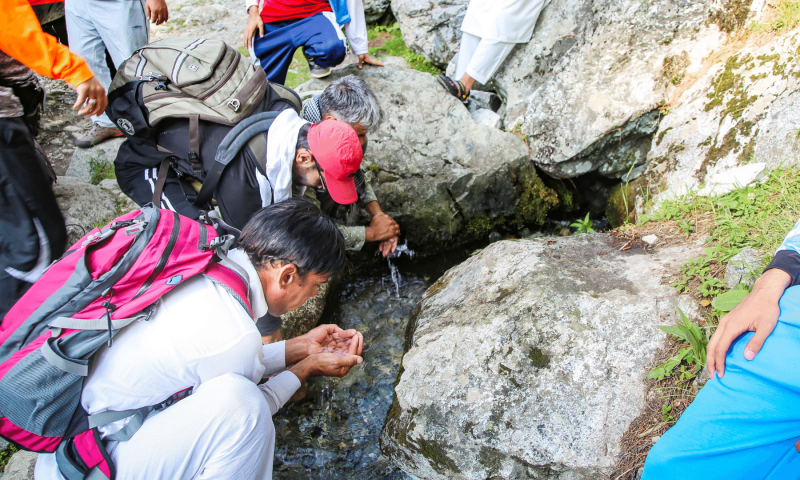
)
(156, 11)
(332, 339)
(366, 58)
(92, 98)
(387, 247)
(254, 24)
(757, 312)
(327, 364)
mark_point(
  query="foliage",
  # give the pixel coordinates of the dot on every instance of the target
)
(394, 46)
(298, 70)
(535, 201)
(100, 171)
(787, 17)
(583, 226)
(694, 354)
(727, 301)
(5, 456)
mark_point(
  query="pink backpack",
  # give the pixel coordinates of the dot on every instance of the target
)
(113, 276)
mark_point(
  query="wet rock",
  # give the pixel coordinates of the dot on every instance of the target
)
(744, 267)
(300, 321)
(740, 110)
(375, 10)
(495, 237)
(484, 116)
(514, 364)
(439, 174)
(21, 466)
(85, 206)
(206, 14)
(86, 161)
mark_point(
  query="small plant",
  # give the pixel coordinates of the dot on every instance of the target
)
(694, 354)
(100, 171)
(583, 226)
(685, 227)
(373, 167)
(666, 413)
(725, 302)
(5, 456)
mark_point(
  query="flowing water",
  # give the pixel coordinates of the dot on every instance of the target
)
(333, 432)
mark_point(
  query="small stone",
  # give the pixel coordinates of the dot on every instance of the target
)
(21, 466)
(206, 14)
(495, 237)
(701, 378)
(744, 267)
(484, 116)
(655, 439)
(72, 128)
(639, 473)
(3, 444)
(525, 232)
(564, 232)
(56, 141)
(650, 239)
(218, 27)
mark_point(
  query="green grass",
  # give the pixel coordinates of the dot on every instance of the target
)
(395, 47)
(755, 217)
(5, 456)
(298, 70)
(788, 17)
(100, 171)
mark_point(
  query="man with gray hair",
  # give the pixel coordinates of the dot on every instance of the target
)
(349, 99)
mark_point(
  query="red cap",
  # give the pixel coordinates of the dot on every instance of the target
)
(336, 148)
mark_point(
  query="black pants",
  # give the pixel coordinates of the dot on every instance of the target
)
(32, 230)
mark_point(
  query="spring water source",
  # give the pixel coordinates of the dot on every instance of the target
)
(333, 432)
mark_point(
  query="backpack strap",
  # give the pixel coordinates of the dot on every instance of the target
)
(163, 170)
(222, 274)
(229, 147)
(287, 93)
(194, 144)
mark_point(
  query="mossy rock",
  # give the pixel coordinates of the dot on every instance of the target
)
(618, 211)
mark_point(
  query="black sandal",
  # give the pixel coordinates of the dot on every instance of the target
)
(454, 88)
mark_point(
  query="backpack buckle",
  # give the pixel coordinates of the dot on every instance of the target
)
(234, 104)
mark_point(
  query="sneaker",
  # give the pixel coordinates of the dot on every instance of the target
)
(315, 70)
(95, 135)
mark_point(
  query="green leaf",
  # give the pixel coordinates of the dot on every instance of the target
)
(675, 331)
(727, 301)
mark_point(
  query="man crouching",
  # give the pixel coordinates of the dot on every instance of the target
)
(200, 336)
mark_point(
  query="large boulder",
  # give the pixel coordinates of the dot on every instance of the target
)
(85, 206)
(375, 10)
(738, 117)
(443, 177)
(20, 466)
(587, 88)
(96, 163)
(529, 359)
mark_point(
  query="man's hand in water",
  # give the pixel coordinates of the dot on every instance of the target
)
(382, 227)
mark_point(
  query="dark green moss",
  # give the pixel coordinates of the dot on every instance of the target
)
(535, 200)
(661, 135)
(620, 206)
(538, 357)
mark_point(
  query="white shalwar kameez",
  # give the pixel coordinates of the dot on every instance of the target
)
(199, 336)
(491, 28)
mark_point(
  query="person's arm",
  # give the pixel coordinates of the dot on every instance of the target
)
(24, 40)
(254, 23)
(354, 237)
(757, 312)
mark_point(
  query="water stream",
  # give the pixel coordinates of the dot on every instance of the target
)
(333, 432)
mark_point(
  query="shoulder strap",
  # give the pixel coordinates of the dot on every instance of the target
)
(233, 281)
(287, 93)
(229, 147)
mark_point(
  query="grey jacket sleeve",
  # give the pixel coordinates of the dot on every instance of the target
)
(354, 237)
(369, 195)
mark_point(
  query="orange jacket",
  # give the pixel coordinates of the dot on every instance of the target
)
(22, 38)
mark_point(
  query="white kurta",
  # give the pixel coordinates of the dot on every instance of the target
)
(510, 21)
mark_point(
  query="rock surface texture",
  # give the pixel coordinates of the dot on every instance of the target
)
(432, 167)
(21, 466)
(743, 109)
(528, 360)
(586, 88)
(86, 160)
(84, 205)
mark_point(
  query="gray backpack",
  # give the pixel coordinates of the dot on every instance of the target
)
(198, 79)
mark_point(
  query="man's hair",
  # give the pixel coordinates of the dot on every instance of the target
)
(302, 137)
(294, 231)
(350, 100)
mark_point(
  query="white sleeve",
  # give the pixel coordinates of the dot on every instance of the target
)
(274, 359)
(248, 4)
(356, 28)
(239, 356)
(279, 389)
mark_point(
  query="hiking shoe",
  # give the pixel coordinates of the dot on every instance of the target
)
(95, 135)
(315, 70)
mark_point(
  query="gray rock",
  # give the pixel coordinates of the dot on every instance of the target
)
(3, 444)
(484, 116)
(375, 10)
(479, 100)
(434, 168)
(124, 203)
(84, 206)
(714, 134)
(85, 159)
(702, 378)
(431, 28)
(205, 14)
(495, 237)
(529, 359)
(21, 466)
(744, 267)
